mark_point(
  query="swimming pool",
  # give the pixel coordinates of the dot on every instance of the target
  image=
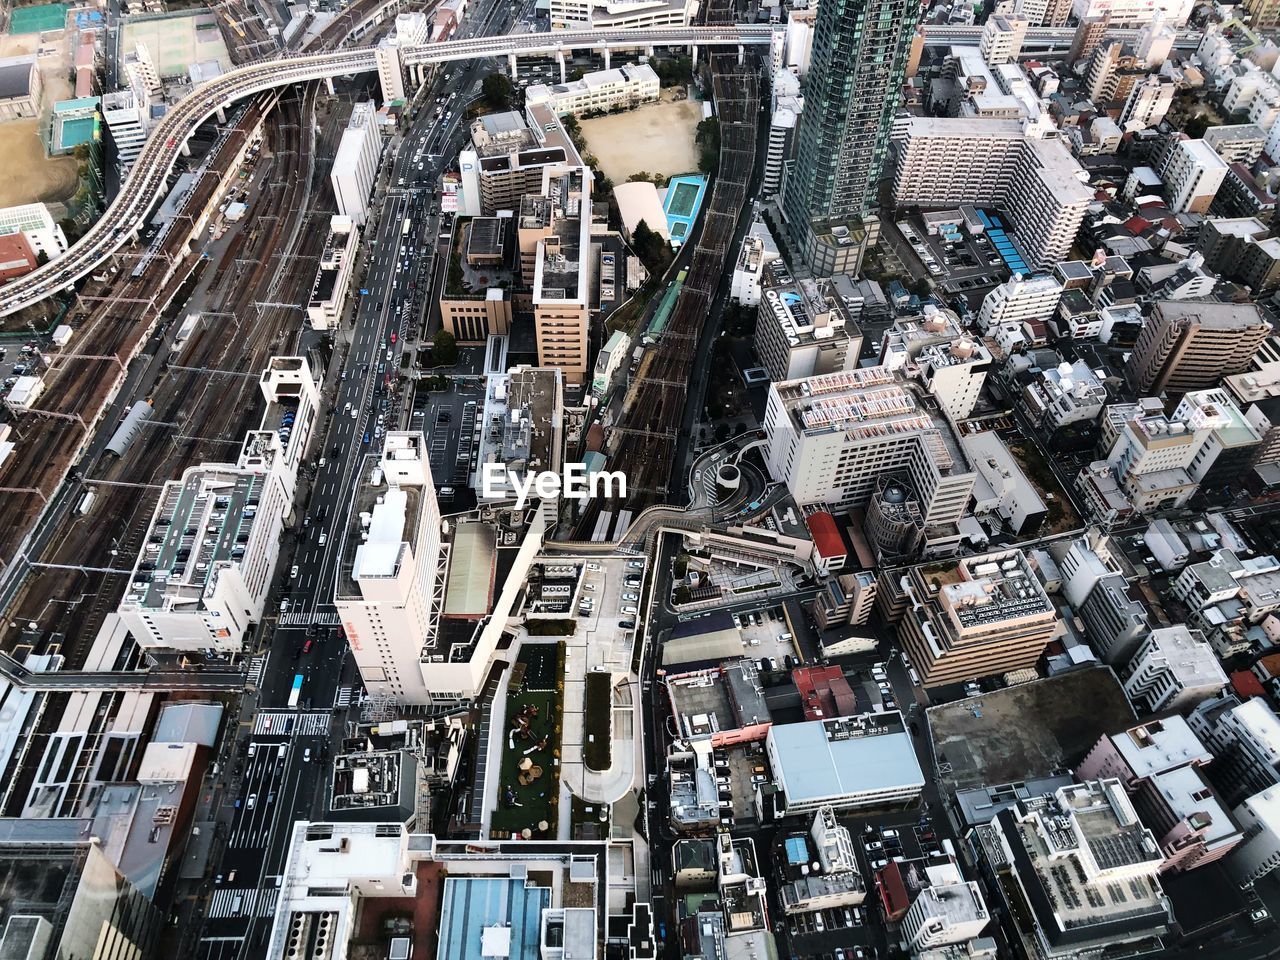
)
(681, 205)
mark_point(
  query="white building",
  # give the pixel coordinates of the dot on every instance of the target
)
(1001, 488)
(622, 87)
(1192, 173)
(949, 910)
(1153, 453)
(804, 329)
(202, 577)
(126, 117)
(943, 162)
(797, 50)
(1148, 103)
(954, 373)
(1155, 42)
(1002, 39)
(1020, 300)
(390, 69)
(787, 105)
(1245, 740)
(333, 278)
(1173, 669)
(1135, 13)
(355, 165)
(830, 438)
(621, 14)
(1259, 853)
(36, 223)
(1066, 394)
(756, 253)
(849, 762)
(23, 394)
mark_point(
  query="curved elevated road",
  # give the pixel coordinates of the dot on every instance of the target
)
(146, 181)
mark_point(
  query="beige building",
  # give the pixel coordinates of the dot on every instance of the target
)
(562, 275)
(475, 299)
(974, 617)
(1191, 344)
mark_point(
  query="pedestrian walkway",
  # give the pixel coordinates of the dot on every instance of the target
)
(256, 666)
(305, 618)
(254, 902)
(343, 699)
(282, 722)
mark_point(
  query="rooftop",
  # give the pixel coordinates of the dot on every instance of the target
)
(491, 917)
(1158, 745)
(835, 757)
(987, 589)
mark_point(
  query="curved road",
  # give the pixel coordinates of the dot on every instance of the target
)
(148, 176)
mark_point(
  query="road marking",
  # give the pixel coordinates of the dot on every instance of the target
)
(256, 902)
(311, 724)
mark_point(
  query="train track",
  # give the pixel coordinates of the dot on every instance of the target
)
(642, 444)
(199, 416)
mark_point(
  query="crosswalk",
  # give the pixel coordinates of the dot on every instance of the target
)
(304, 618)
(280, 722)
(254, 902)
(256, 666)
(343, 700)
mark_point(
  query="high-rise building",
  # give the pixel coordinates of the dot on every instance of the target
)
(1245, 740)
(860, 53)
(562, 295)
(788, 105)
(1192, 172)
(1020, 300)
(1259, 854)
(1148, 102)
(1263, 14)
(1174, 669)
(355, 165)
(976, 617)
(804, 329)
(1002, 39)
(1192, 344)
(949, 910)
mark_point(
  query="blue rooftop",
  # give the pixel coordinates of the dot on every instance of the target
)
(797, 850)
(474, 904)
(814, 767)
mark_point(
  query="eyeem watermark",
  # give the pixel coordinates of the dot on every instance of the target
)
(497, 482)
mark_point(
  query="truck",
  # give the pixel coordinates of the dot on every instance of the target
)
(86, 503)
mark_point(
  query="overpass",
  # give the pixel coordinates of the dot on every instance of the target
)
(147, 179)
(156, 681)
(1043, 39)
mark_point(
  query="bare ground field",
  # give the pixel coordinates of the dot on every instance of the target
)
(29, 175)
(655, 138)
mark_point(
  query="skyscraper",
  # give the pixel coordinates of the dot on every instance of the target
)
(860, 52)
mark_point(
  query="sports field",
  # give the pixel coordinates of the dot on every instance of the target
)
(683, 196)
(50, 16)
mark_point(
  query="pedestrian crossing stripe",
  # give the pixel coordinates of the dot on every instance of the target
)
(256, 666)
(254, 902)
(343, 700)
(305, 618)
(311, 724)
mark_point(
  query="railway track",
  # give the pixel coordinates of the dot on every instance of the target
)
(643, 442)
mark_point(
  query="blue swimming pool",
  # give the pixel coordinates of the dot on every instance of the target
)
(681, 204)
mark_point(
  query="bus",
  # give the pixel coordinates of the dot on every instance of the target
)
(404, 230)
(296, 691)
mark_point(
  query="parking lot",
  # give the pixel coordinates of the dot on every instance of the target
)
(739, 770)
(766, 634)
(19, 359)
(450, 420)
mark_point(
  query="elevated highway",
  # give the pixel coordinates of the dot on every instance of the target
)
(147, 179)
(80, 681)
(1040, 39)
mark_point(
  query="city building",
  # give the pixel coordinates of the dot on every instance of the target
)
(522, 426)
(1081, 869)
(1245, 740)
(16, 256)
(1174, 669)
(1262, 14)
(944, 162)
(1192, 172)
(127, 118)
(1134, 13)
(844, 763)
(1237, 142)
(1148, 103)
(758, 251)
(1063, 395)
(562, 301)
(723, 704)
(36, 224)
(1230, 441)
(1001, 490)
(620, 14)
(975, 617)
(787, 106)
(949, 910)
(1137, 754)
(804, 329)
(599, 91)
(475, 297)
(831, 438)
(355, 165)
(845, 600)
(202, 577)
(333, 278)
(21, 88)
(1259, 853)
(1002, 39)
(1115, 618)
(1241, 249)
(859, 60)
(1153, 455)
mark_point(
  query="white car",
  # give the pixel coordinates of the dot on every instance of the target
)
(628, 609)
(630, 596)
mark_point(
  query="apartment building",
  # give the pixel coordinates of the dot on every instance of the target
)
(1174, 669)
(945, 162)
(355, 165)
(804, 329)
(1192, 172)
(1237, 142)
(1081, 869)
(1259, 852)
(1062, 395)
(948, 911)
(787, 105)
(1135, 13)
(508, 158)
(621, 14)
(831, 437)
(1115, 618)
(1022, 301)
(1193, 344)
(1245, 740)
(1148, 103)
(1002, 38)
(1230, 439)
(599, 91)
(1258, 394)
(202, 577)
(1241, 249)
(1254, 582)
(333, 276)
(1152, 458)
(976, 617)
(562, 274)
(1262, 14)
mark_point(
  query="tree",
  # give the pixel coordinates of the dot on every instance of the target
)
(444, 348)
(498, 91)
(649, 247)
(708, 140)
(1196, 126)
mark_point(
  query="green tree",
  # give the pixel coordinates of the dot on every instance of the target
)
(498, 91)
(1196, 126)
(444, 348)
(649, 247)
(708, 141)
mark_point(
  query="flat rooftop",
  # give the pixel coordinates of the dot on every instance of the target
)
(991, 588)
(830, 758)
(491, 917)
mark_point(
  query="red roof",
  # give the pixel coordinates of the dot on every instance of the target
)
(824, 692)
(893, 892)
(826, 536)
(1246, 684)
(1136, 225)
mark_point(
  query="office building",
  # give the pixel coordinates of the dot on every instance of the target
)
(620, 88)
(1062, 395)
(1259, 852)
(944, 162)
(1002, 493)
(830, 438)
(935, 350)
(1192, 172)
(1174, 669)
(1115, 618)
(37, 225)
(758, 251)
(787, 105)
(509, 157)
(844, 763)
(620, 14)
(202, 577)
(333, 277)
(1081, 869)
(1148, 102)
(1245, 740)
(21, 88)
(804, 329)
(562, 300)
(1135, 755)
(355, 165)
(1002, 39)
(1153, 455)
(1230, 439)
(475, 297)
(127, 118)
(949, 910)
(1135, 13)
(975, 617)
(390, 69)
(859, 60)
(1193, 344)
